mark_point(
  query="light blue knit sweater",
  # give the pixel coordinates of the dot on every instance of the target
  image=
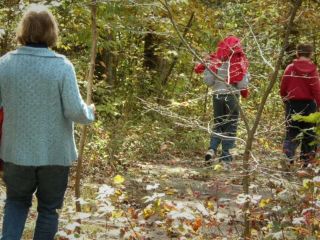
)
(41, 100)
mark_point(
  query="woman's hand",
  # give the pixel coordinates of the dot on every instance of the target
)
(93, 107)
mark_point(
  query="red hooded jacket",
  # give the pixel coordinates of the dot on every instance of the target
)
(300, 81)
(229, 49)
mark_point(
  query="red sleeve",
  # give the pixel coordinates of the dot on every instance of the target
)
(315, 87)
(199, 68)
(244, 93)
(284, 81)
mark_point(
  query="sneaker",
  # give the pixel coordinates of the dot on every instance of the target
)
(210, 155)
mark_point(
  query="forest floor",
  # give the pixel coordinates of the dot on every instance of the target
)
(186, 181)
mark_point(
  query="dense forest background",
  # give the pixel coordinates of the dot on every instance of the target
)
(153, 110)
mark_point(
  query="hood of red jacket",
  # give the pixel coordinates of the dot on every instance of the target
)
(229, 46)
(304, 66)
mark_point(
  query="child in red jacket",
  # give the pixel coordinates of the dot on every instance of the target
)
(230, 64)
(300, 91)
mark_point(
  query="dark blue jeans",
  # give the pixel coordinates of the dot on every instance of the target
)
(226, 115)
(49, 184)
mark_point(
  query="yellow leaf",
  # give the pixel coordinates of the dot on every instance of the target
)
(117, 214)
(210, 205)
(148, 212)
(307, 183)
(118, 179)
(118, 192)
(158, 202)
(264, 202)
(217, 167)
(170, 191)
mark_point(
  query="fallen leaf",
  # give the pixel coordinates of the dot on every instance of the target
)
(197, 224)
(118, 179)
(217, 167)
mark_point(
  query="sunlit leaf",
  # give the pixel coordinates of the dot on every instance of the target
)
(118, 179)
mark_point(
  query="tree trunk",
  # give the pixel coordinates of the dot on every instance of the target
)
(175, 59)
(251, 133)
(110, 60)
(150, 58)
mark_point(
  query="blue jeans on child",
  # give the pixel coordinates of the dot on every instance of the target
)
(49, 183)
(226, 114)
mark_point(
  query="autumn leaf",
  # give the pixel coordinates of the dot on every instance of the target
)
(218, 167)
(170, 191)
(118, 179)
(303, 174)
(148, 212)
(210, 205)
(264, 202)
(307, 183)
(197, 224)
(117, 214)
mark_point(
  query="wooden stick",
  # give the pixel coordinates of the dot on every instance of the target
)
(89, 101)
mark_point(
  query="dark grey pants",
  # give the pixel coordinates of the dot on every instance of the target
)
(226, 115)
(296, 128)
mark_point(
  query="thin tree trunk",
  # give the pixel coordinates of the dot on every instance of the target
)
(314, 39)
(109, 60)
(175, 59)
(89, 100)
(150, 59)
(251, 133)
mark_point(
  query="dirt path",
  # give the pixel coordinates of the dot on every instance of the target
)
(187, 182)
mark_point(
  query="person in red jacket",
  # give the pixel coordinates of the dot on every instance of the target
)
(300, 92)
(231, 79)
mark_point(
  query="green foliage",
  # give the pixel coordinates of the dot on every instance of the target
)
(311, 118)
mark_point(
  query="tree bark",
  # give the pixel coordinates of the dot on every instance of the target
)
(150, 58)
(109, 60)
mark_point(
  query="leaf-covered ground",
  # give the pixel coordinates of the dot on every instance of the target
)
(171, 198)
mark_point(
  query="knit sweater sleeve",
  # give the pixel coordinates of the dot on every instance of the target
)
(74, 107)
(208, 78)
